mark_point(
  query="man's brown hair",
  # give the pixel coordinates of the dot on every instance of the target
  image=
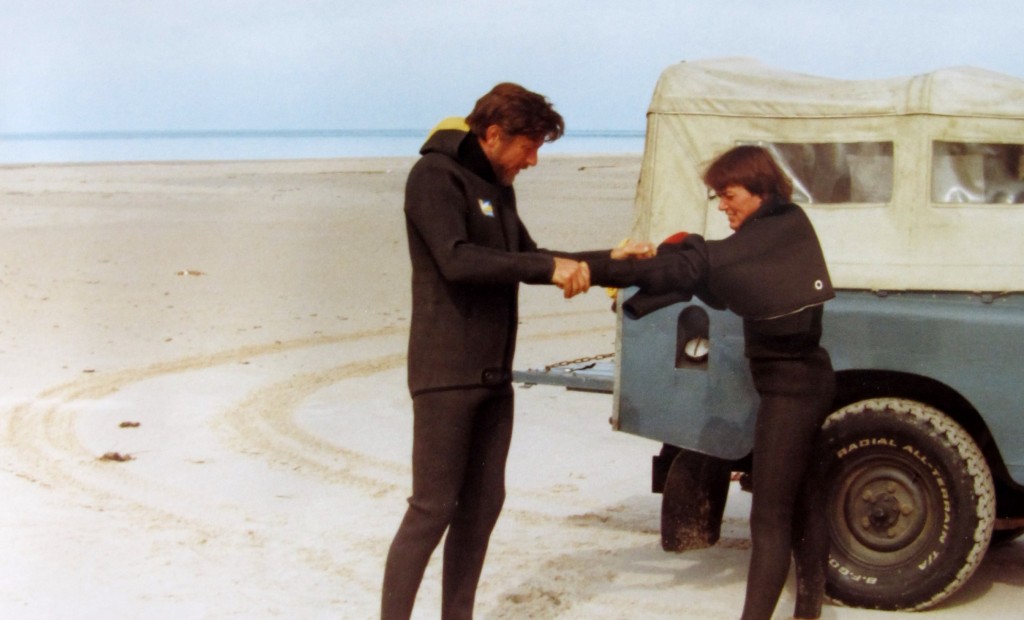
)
(518, 112)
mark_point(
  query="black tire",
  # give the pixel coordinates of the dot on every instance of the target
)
(910, 505)
(693, 501)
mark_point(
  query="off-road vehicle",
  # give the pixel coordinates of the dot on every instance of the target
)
(915, 189)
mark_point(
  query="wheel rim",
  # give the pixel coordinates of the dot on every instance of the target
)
(884, 512)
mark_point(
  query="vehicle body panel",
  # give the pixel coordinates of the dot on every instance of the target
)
(962, 341)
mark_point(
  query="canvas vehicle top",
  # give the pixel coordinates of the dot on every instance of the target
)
(907, 180)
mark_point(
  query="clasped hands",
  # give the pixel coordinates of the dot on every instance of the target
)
(573, 277)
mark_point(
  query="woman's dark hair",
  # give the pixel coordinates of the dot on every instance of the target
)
(751, 167)
(518, 112)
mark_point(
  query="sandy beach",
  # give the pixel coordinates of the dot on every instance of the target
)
(203, 411)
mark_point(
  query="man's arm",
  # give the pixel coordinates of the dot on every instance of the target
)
(435, 210)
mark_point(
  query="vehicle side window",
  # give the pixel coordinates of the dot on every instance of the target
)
(972, 173)
(836, 172)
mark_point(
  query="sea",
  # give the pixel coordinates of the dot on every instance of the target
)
(93, 147)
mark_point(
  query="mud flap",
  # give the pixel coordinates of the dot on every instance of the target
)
(693, 501)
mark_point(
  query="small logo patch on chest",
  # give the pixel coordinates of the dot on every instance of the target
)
(486, 207)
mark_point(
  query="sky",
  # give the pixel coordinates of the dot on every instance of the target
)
(211, 65)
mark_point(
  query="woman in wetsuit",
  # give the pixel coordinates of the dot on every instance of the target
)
(772, 273)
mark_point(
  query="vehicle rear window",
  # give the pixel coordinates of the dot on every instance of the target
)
(976, 173)
(836, 172)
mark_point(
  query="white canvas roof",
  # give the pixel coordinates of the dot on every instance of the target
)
(745, 87)
(908, 240)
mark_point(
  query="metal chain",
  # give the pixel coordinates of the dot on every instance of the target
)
(580, 360)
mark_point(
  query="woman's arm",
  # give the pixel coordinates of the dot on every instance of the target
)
(676, 268)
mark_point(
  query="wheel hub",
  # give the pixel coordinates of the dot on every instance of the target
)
(884, 509)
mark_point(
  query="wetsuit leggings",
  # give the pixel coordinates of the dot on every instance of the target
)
(788, 512)
(460, 444)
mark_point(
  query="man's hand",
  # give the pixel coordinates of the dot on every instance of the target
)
(634, 249)
(571, 276)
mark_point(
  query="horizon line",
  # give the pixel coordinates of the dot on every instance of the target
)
(272, 133)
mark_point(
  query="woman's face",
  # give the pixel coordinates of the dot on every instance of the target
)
(737, 204)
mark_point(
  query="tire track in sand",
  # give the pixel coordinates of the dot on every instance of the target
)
(41, 443)
(266, 424)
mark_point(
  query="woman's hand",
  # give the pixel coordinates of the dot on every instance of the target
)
(634, 249)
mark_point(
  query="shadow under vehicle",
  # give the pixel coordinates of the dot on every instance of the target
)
(914, 186)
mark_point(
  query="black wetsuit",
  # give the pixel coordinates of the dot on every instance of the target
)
(469, 252)
(772, 273)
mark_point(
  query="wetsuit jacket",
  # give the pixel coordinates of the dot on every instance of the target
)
(771, 272)
(469, 252)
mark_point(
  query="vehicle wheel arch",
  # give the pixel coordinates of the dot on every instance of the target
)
(861, 384)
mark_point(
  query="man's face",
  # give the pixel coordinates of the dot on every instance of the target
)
(510, 154)
(738, 204)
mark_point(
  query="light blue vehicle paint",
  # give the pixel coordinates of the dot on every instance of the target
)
(968, 343)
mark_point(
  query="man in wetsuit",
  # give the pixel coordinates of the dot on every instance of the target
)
(469, 252)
